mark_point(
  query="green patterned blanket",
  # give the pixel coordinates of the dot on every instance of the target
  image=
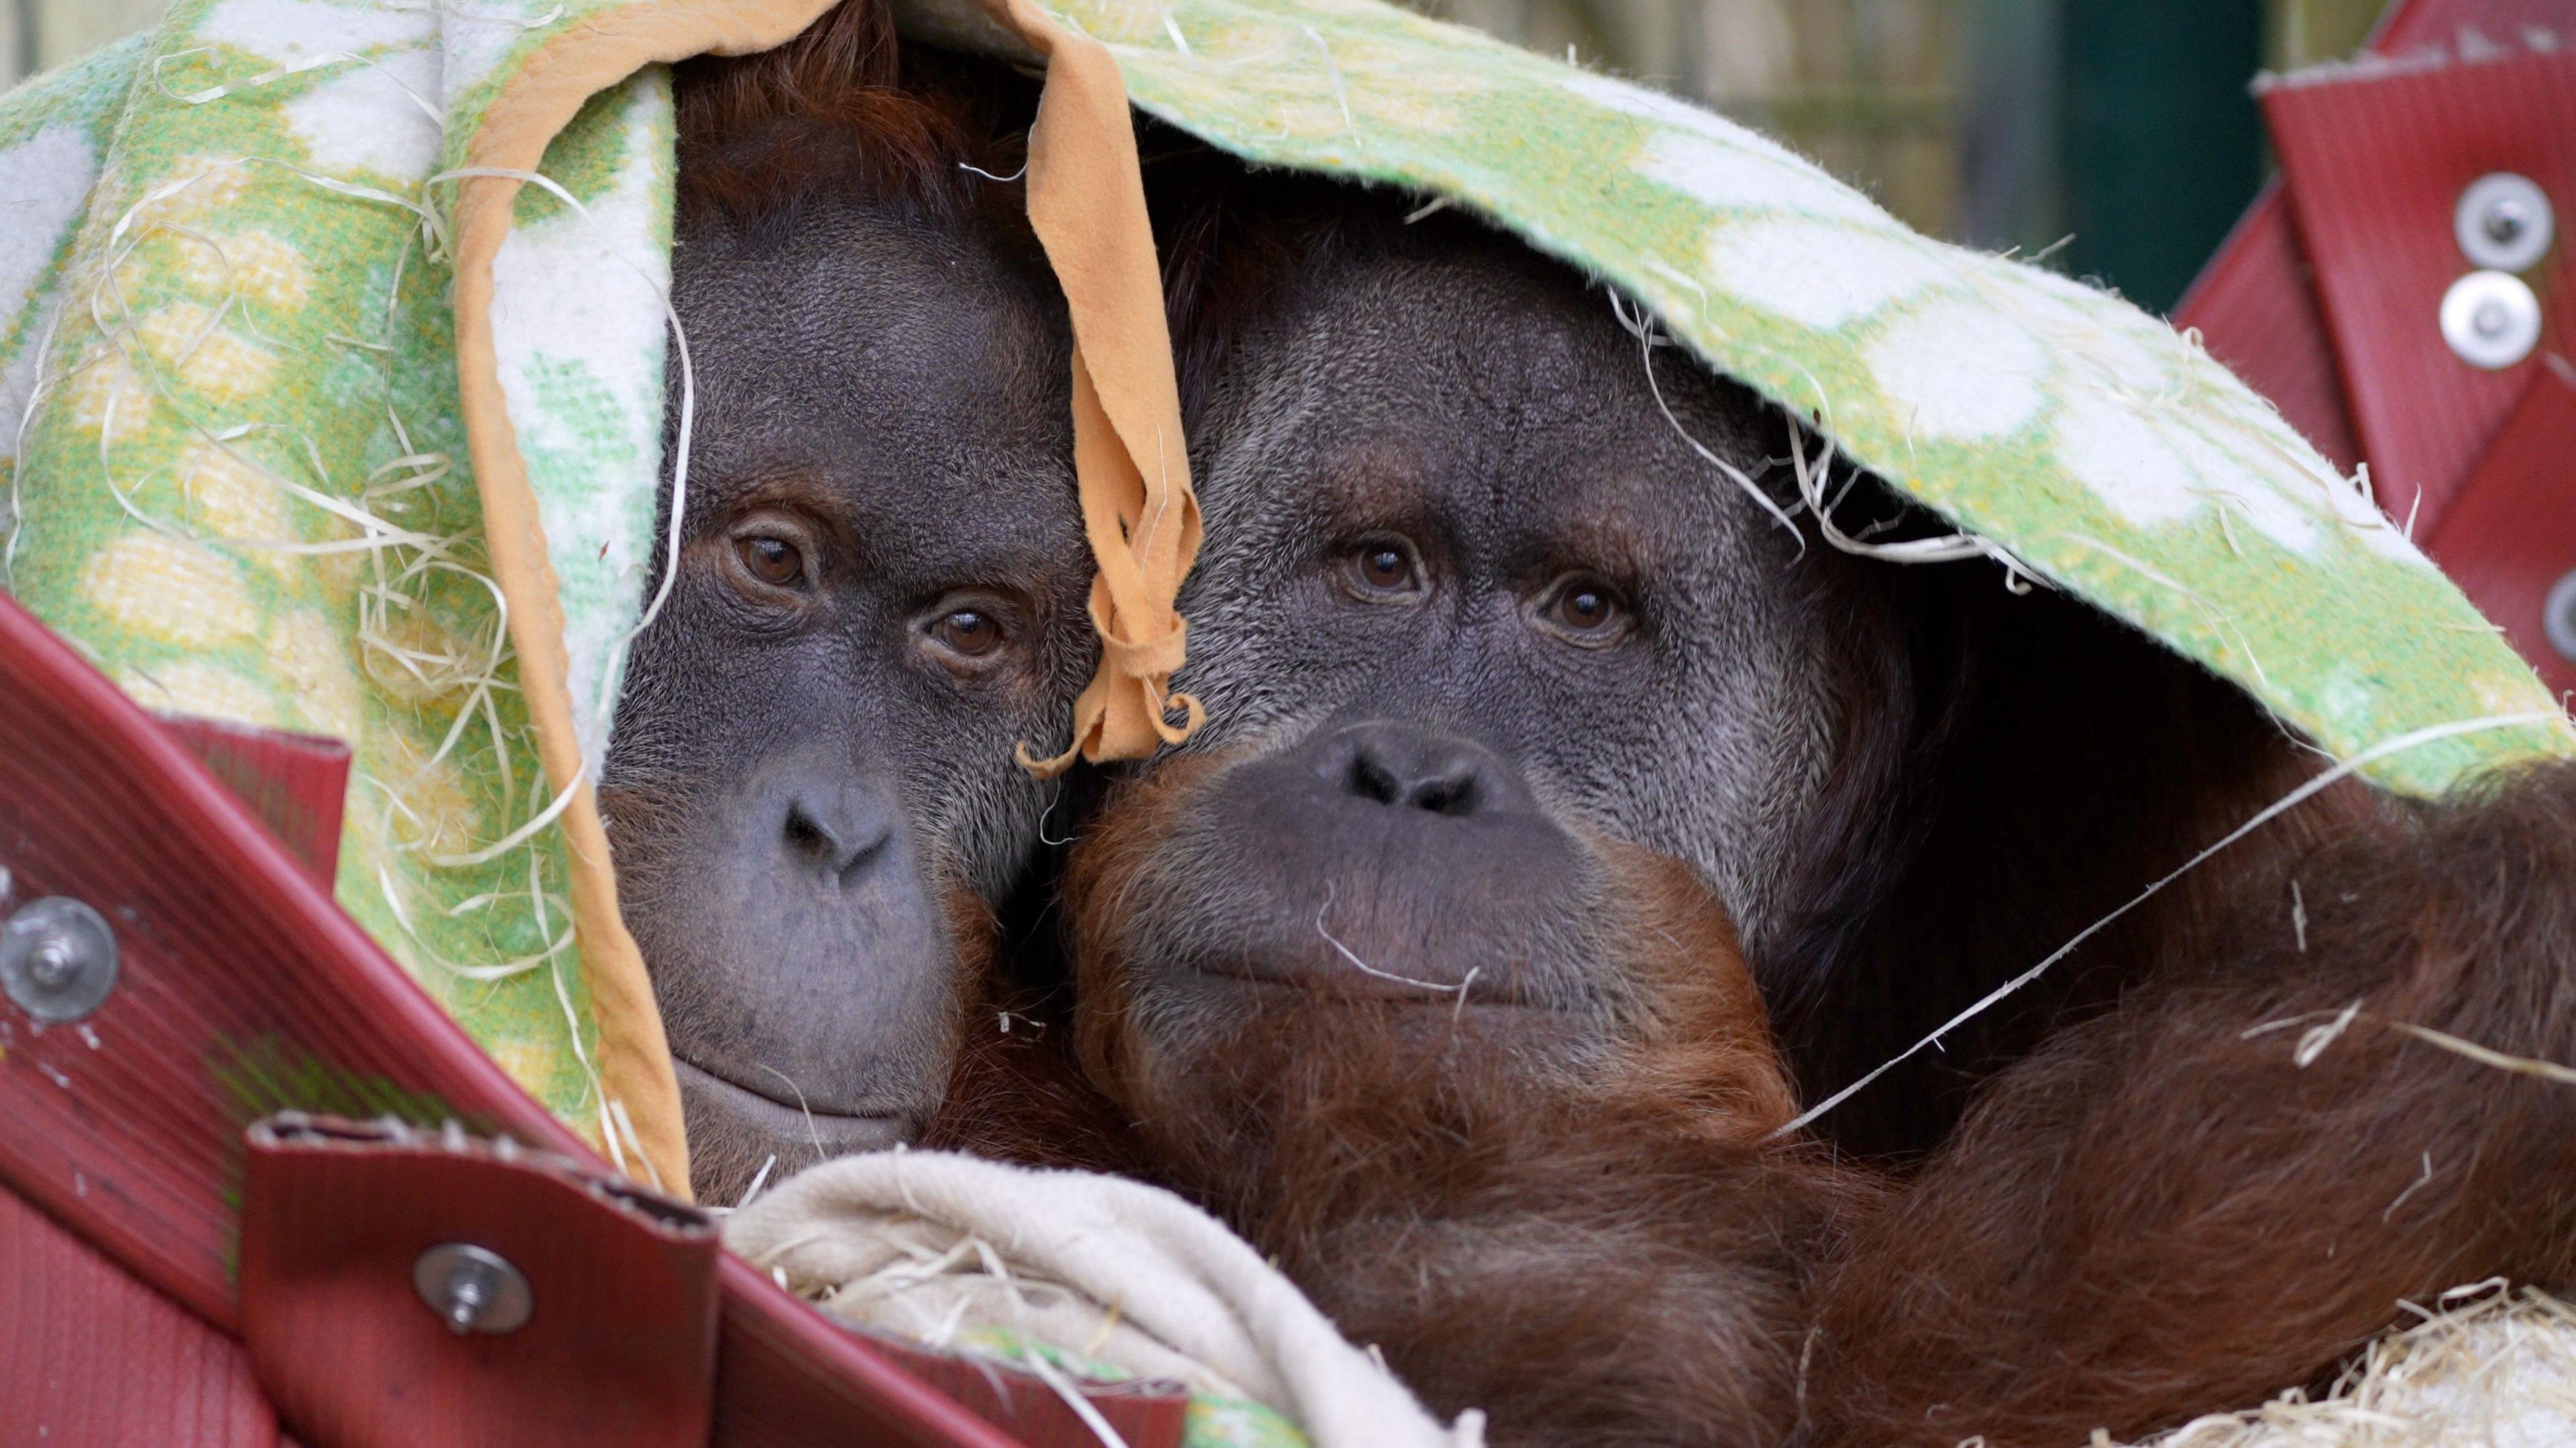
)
(237, 468)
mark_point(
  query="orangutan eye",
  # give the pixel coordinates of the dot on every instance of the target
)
(968, 633)
(773, 561)
(1382, 568)
(1587, 612)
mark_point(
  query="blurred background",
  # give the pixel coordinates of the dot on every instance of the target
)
(41, 34)
(2118, 132)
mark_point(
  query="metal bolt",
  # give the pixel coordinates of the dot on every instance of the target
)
(2558, 616)
(2503, 222)
(51, 963)
(58, 960)
(472, 1289)
(469, 1290)
(2491, 319)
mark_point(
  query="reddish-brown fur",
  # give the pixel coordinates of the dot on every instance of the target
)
(1017, 1094)
(2150, 1211)
(1697, 1045)
(844, 108)
(1513, 1242)
(2162, 1213)
(2157, 1215)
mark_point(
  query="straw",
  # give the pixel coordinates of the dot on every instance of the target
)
(2483, 1366)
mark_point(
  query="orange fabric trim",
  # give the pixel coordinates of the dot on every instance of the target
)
(534, 105)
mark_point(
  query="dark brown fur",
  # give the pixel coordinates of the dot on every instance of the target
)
(2161, 1213)
(2158, 1214)
(1018, 1095)
(2041, 766)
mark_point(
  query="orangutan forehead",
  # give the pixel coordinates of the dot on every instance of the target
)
(904, 387)
(1497, 400)
(868, 320)
(1627, 498)
(1016, 520)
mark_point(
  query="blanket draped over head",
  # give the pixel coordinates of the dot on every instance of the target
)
(335, 343)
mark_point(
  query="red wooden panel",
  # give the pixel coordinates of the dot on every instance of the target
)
(617, 1349)
(244, 990)
(295, 783)
(2256, 306)
(91, 1358)
(2512, 534)
(2376, 161)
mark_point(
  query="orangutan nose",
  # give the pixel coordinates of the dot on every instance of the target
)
(1403, 766)
(836, 832)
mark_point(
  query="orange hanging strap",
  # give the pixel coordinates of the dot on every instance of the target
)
(1087, 204)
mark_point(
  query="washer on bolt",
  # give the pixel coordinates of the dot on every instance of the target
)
(2503, 222)
(57, 960)
(2558, 616)
(2491, 319)
(472, 1289)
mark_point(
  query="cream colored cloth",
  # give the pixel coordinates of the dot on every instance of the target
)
(931, 1245)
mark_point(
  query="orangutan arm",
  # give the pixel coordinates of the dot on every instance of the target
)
(2233, 1179)
(1611, 1295)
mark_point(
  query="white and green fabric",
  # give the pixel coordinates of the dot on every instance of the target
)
(236, 460)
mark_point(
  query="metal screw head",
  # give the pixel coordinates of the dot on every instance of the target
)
(2491, 319)
(2503, 222)
(57, 959)
(51, 964)
(2558, 616)
(472, 1289)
